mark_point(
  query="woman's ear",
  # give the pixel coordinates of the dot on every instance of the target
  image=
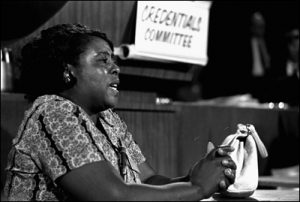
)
(71, 70)
(69, 75)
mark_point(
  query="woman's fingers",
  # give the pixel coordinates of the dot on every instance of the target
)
(228, 163)
(222, 185)
(230, 174)
(228, 179)
(220, 151)
(224, 150)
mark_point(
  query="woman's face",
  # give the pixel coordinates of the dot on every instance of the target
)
(97, 76)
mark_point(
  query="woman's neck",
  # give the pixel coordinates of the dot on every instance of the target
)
(81, 101)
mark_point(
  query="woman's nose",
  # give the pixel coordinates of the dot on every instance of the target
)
(115, 70)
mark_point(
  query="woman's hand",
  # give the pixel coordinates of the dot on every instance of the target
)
(215, 172)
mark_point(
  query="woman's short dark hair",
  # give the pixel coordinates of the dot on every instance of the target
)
(45, 57)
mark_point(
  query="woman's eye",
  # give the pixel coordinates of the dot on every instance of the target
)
(114, 59)
(107, 60)
(104, 60)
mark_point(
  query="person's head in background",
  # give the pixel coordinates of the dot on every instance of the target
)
(292, 51)
(293, 44)
(72, 61)
(258, 24)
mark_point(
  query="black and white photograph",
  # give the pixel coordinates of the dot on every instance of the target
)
(150, 100)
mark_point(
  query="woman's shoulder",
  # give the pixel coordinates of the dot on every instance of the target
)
(50, 103)
(43, 111)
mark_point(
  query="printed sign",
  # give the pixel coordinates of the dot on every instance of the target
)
(173, 30)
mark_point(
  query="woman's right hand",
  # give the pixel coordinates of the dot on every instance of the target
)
(215, 172)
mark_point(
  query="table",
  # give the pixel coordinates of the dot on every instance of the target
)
(200, 123)
(279, 181)
(173, 137)
(263, 195)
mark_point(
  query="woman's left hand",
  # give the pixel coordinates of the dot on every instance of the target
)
(221, 154)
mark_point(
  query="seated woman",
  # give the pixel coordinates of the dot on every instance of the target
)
(71, 145)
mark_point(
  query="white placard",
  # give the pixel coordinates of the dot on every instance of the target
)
(173, 30)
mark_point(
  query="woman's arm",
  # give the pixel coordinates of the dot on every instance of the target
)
(148, 176)
(100, 181)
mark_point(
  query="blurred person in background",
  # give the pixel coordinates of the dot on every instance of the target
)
(239, 56)
(292, 60)
(260, 56)
(288, 64)
(285, 73)
(260, 62)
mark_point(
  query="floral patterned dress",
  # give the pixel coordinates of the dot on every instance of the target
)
(57, 136)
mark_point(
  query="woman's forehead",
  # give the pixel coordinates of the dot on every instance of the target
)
(99, 46)
(96, 48)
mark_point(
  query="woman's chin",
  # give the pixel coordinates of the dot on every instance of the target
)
(113, 101)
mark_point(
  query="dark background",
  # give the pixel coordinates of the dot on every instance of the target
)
(228, 70)
(165, 133)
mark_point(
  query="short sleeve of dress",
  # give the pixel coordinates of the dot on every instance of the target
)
(66, 143)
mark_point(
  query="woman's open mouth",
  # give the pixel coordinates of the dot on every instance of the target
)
(114, 87)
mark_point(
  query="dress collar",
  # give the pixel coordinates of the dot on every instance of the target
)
(106, 115)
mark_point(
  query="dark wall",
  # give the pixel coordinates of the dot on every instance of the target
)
(229, 53)
(16, 15)
(115, 18)
(229, 63)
